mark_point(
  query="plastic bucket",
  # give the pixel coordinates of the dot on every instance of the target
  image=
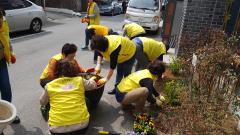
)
(8, 113)
(93, 97)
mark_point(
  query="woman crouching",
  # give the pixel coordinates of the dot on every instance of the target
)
(68, 111)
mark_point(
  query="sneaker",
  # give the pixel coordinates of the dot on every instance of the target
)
(111, 92)
(85, 48)
(16, 120)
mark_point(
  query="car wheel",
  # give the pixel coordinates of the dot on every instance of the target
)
(36, 25)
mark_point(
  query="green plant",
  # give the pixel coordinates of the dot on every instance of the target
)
(144, 124)
(171, 92)
(175, 65)
(209, 89)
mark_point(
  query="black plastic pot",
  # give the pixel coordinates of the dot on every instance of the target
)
(92, 97)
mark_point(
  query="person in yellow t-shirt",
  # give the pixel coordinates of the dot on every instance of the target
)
(119, 51)
(66, 118)
(93, 14)
(148, 50)
(6, 57)
(132, 30)
(96, 30)
(138, 87)
(68, 52)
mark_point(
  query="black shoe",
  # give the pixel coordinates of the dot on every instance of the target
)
(2, 134)
(16, 120)
(111, 92)
(85, 48)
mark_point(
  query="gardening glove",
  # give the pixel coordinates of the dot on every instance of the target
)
(13, 58)
(102, 81)
(94, 78)
(98, 69)
(159, 100)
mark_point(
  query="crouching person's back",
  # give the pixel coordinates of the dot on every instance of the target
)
(68, 111)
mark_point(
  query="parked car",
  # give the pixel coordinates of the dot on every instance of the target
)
(111, 7)
(23, 15)
(145, 13)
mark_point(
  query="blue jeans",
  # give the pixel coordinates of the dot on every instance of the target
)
(5, 87)
(124, 69)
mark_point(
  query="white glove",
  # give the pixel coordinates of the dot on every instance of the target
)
(159, 100)
(98, 69)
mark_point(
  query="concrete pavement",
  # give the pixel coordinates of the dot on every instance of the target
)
(33, 53)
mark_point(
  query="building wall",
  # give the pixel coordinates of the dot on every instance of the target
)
(203, 14)
(200, 16)
(75, 5)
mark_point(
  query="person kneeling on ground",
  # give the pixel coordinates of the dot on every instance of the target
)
(96, 30)
(138, 87)
(68, 52)
(68, 111)
(148, 50)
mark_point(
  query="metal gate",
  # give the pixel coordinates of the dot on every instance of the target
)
(232, 17)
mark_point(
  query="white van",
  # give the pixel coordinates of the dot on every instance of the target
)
(145, 13)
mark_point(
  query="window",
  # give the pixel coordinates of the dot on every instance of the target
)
(17, 4)
(144, 4)
(27, 4)
(4, 4)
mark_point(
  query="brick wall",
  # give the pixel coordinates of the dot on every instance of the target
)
(200, 16)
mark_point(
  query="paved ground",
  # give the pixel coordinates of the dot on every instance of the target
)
(33, 52)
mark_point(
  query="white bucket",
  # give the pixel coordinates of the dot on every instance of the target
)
(8, 113)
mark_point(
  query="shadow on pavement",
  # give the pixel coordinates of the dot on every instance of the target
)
(105, 117)
(30, 36)
(21, 130)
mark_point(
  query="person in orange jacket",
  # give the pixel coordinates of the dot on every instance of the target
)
(68, 52)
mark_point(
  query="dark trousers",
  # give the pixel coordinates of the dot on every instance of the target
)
(124, 69)
(5, 87)
(78, 132)
(87, 37)
(141, 57)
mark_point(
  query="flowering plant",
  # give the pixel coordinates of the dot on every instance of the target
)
(144, 125)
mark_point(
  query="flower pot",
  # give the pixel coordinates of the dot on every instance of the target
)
(93, 97)
(8, 113)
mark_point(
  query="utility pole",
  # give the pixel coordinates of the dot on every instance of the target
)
(43, 3)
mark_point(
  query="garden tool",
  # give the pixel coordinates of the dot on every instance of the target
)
(108, 133)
